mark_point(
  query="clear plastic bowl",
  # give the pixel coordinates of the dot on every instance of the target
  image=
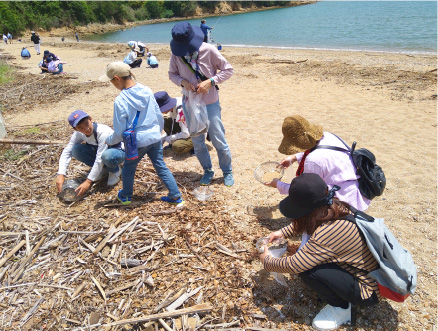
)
(267, 171)
(68, 193)
(203, 193)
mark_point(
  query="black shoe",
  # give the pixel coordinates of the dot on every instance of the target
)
(192, 151)
(208, 137)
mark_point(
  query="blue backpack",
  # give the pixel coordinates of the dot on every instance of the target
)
(397, 274)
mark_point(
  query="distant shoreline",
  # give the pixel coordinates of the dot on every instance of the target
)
(97, 28)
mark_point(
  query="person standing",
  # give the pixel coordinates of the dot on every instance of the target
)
(5, 38)
(35, 38)
(136, 109)
(9, 37)
(205, 28)
(77, 36)
(194, 65)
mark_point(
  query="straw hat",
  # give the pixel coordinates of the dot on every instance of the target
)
(298, 135)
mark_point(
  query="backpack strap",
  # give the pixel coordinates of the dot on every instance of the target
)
(196, 72)
(134, 124)
(356, 212)
(95, 133)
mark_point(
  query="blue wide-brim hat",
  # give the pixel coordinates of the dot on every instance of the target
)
(165, 102)
(186, 39)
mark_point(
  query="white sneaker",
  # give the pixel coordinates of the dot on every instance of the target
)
(101, 175)
(113, 178)
(331, 318)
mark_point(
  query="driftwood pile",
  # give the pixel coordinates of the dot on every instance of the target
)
(96, 265)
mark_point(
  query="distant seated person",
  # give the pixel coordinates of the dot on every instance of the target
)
(142, 47)
(176, 132)
(131, 59)
(87, 145)
(152, 61)
(43, 64)
(54, 66)
(25, 54)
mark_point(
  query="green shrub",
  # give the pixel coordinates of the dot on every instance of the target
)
(6, 73)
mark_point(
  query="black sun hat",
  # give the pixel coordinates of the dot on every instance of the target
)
(306, 193)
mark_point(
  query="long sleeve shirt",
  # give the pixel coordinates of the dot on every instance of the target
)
(204, 27)
(337, 242)
(209, 60)
(335, 168)
(152, 60)
(103, 132)
(150, 121)
(130, 57)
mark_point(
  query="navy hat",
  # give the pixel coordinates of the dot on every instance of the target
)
(76, 117)
(306, 193)
(186, 39)
(165, 102)
(46, 52)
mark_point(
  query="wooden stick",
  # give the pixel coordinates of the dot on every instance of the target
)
(27, 259)
(105, 240)
(78, 290)
(191, 310)
(102, 292)
(12, 252)
(32, 142)
(164, 324)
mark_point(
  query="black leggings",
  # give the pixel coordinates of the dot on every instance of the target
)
(136, 63)
(336, 286)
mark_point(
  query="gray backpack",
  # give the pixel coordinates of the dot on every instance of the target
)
(397, 274)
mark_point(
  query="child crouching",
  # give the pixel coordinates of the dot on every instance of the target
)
(94, 153)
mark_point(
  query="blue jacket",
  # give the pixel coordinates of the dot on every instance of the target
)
(150, 121)
(152, 60)
(25, 52)
(205, 28)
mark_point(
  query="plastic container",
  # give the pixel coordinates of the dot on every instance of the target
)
(2, 127)
(277, 248)
(68, 193)
(203, 193)
(267, 171)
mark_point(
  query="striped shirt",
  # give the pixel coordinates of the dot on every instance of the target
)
(337, 242)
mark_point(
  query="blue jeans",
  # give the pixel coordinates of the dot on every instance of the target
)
(155, 153)
(111, 158)
(216, 132)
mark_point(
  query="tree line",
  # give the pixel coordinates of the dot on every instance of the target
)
(18, 16)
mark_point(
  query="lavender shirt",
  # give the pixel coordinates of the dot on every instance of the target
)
(335, 168)
(210, 60)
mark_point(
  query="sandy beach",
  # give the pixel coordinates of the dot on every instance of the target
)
(387, 102)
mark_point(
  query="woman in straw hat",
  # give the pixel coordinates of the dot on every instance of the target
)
(335, 261)
(300, 139)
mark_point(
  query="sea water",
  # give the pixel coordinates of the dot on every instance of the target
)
(387, 26)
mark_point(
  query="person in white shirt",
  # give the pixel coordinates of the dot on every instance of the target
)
(131, 58)
(176, 132)
(95, 152)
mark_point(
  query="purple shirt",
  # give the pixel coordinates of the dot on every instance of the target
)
(335, 168)
(209, 60)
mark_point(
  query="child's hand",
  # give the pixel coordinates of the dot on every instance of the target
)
(84, 187)
(273, 183)
(288, 161)
(59, 181)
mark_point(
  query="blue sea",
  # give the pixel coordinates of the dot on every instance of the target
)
(383, 26)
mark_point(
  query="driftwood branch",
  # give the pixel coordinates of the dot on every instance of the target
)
(192, 310)
(32, 142)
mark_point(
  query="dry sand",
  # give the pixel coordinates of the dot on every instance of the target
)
(385, 102)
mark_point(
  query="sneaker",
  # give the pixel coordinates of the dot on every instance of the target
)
(123, 200)
(178, 201)
(208, 177)
(331, 318)
(228, 179)
(114, 178)
(102, 174)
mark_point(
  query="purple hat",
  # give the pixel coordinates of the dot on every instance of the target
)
(165, 102)
(76, 117)
(186, 39)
